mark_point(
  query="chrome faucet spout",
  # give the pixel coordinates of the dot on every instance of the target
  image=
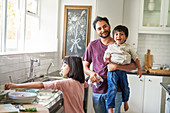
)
(49, 68)
(31, 67)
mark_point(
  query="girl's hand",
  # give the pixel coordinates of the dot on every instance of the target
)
(85, 84)
(8, 86)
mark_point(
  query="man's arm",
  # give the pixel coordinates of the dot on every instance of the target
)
(89, 72)
(127, 67)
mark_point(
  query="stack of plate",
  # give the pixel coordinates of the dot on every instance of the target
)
(3, 93)
(22, 97)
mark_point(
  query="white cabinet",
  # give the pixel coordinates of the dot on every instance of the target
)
(152, 94)
(145, 94)
(136, 94)
(167, 103)
(155, 16)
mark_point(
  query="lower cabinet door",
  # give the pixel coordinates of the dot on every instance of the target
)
(145, 94)
(152, 94)
(167, 103)
(136, 94)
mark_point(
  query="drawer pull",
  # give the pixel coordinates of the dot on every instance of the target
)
(168, 99)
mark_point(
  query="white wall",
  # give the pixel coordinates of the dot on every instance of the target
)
(131, 20)
(48, 25)
(112, 9)
(61, 17)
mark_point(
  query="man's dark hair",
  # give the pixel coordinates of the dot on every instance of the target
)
(98, 18)
(121, 28)
(76, 68)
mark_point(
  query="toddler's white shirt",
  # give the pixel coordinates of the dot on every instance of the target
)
(121, 53)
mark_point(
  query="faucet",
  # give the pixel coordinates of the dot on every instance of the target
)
(31, 67)
(49, 68)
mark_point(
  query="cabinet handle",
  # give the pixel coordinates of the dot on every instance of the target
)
(168, 99)
(141, 80)
(150, 80)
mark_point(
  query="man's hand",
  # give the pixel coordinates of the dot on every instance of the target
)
(112, 66)
(127, 67)
(93, 77)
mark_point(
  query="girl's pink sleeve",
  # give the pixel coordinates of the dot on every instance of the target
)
(53, 84)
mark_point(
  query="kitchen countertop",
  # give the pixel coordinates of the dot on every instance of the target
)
(46, 98)
(40, 108)
(144, 73)
(166, 87)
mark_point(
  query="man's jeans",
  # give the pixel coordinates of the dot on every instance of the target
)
(99, 102)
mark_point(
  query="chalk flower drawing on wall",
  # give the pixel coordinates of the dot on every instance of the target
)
(76, 28)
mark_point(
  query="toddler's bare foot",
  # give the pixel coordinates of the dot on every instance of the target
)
(110, 110)
(126, 106)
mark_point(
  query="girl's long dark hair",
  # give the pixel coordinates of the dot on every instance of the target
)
(76, 68)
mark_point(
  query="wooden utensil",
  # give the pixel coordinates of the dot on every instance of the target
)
(148, 61)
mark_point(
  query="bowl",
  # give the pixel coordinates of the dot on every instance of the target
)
(22, 97)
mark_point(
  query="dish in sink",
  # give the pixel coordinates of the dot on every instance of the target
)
(22, 97)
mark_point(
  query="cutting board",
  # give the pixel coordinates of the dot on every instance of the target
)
(7, 108)
(148, 60)
(40, 108)
(158, 71)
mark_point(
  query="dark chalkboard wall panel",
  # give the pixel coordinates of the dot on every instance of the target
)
(76, 32)
(77, 27)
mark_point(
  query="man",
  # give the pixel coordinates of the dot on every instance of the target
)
(94, 54)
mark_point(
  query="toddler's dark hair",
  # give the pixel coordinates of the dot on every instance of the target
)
(121, 28)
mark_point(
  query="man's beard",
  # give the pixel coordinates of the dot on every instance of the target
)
(106, 35)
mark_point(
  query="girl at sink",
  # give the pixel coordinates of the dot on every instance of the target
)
(72, 88)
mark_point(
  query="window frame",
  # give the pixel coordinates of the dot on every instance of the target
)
(22, 7)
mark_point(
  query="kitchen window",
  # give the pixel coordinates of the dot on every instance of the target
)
(0, 22)
(19, 25)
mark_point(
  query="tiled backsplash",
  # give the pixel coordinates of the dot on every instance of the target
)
(159, 46)
(18, 66)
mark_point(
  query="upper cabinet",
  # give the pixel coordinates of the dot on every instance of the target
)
(155, 17)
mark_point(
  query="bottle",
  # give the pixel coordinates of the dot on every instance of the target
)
(151, 5)
(95, 83)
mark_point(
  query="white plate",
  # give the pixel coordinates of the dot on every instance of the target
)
(22, 97)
